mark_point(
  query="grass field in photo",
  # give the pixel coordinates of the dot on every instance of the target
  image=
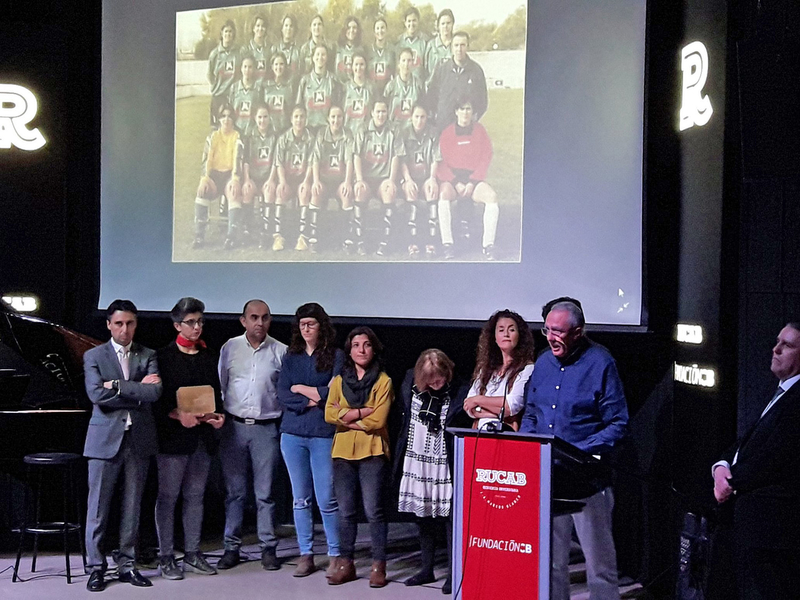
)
(503, 121)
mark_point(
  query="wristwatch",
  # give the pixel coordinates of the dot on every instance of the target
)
(115, 385)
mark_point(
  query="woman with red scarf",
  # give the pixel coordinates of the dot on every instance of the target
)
(186, 441)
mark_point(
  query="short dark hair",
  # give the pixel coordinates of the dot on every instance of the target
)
(549, 306)
(794, 325)
(405, 50)
(249, 302)
(463, 34)
(377, 347)
(378, 100)
(123, 305)
(255, 20)
(411, 10)
(228, 23)
(186, 306)
(226, 106)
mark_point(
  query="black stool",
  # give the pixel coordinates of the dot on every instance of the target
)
(37, 465)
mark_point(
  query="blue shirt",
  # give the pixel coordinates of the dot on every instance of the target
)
(580, 400)
(298, 417)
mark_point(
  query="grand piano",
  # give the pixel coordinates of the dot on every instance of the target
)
(43, 404)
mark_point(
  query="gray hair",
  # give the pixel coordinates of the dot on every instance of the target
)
(575, 313)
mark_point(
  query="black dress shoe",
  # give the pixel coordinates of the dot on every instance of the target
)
(96, 582)
(135, 578)
(229, 560)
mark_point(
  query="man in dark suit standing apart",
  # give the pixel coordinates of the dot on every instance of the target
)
(761, 477)
(122, 382)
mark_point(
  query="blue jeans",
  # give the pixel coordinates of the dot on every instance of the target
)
(309, 462)
(259, 444)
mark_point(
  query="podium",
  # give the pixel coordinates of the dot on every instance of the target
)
(504, 498)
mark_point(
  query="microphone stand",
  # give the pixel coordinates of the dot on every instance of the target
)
(498, 427)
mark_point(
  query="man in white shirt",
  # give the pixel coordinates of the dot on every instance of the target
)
(248, 372)
(760, 477)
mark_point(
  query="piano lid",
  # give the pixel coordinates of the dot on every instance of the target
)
(48, 355)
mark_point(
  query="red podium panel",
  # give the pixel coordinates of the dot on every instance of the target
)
(501, 545)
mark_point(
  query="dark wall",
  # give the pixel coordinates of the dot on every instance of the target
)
(49, 199)
(768, 71)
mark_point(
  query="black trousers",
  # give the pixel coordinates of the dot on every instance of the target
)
(367, 476)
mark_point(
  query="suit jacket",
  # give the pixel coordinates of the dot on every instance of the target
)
(766, 477)
(111, 408)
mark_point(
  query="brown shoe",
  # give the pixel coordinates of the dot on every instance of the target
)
(345, 571)
(305, 566)
(333, 563)
(377, 577)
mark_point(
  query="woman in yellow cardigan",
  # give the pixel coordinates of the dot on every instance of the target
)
(358, 404)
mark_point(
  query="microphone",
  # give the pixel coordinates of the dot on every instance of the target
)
(497, 426)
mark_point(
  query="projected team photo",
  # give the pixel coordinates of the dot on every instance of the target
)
(349, 131)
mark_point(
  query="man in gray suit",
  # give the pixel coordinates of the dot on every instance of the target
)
(122, 382)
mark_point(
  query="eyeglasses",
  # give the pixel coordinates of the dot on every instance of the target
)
(555, 332)
(192, 323)
(308, 325)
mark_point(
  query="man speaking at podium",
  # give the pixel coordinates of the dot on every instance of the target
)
(575, 393)
(760, 477)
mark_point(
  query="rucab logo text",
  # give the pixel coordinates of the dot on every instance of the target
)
(501, 477)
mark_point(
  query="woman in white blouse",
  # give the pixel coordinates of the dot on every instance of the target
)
(502, 368)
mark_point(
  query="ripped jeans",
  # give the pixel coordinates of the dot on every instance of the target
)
(310, 466)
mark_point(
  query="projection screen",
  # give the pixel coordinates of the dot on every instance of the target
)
(501, 166)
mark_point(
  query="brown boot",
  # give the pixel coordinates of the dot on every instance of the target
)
(377, 577)
(305, 566)
(345, 571)
(333, 563)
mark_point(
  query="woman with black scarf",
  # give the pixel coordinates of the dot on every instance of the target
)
(423, 461)
(358, 404)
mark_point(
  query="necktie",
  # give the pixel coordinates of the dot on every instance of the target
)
(124, 362)
(777, 395)
(771, 403)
